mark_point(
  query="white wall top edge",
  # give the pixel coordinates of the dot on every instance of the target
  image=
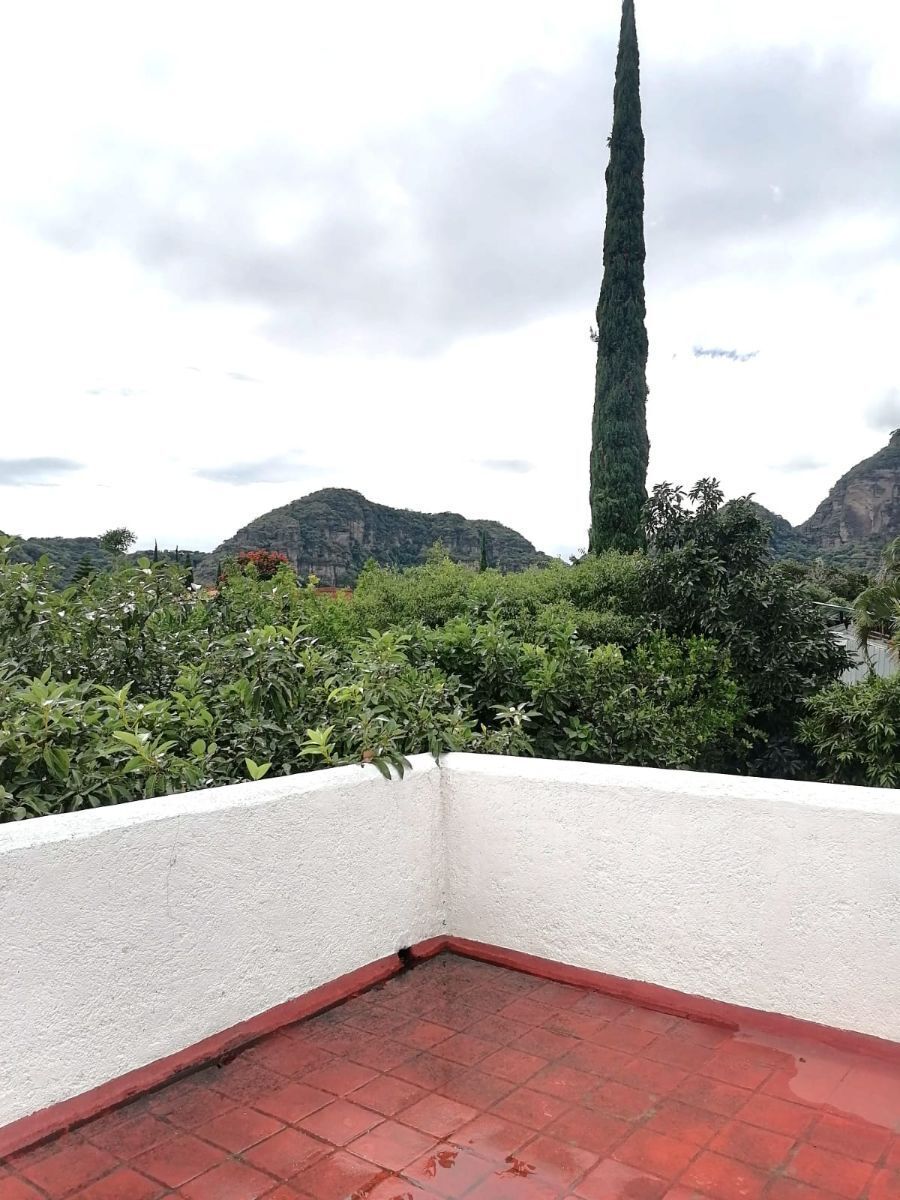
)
(38, 831)
(674, 783)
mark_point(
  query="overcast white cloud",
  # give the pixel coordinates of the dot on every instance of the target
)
(253, 252)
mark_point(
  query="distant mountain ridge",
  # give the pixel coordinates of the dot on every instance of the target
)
(65, 553)
(855, 521)
(333, 532)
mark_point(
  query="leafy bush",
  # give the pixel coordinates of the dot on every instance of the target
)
(709, 574)
(265, 562)
(854, 732)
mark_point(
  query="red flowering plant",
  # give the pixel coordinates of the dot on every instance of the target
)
(266, 562)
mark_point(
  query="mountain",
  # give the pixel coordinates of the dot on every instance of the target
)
(856, 520)
(861, 513)
(66, 553)
(333, 532)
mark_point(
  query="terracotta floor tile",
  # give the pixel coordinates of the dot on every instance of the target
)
(700, 1032)
(656, 1077)
(676, 1052)
(590, 1130)
(621, 1101)
(428, 1071)
(131, 1137)
(526, 1010)
(292, 1102)
(526, 1107)
(567, 1083)
(287, 1056)
(734, 1071)
(600, 1060)
(238, 1129)
(543, 1042)
(694, 1125)
(854, 1139)
(558, 995)
(180, 1160)
(387, 1095)
(821, 1168)
(285, 1154)
(613, 1180)
(656, 1153)
(244, 1081)
(336, 1177)
(12, 1188)
(570, 1023)
(724, 1178)
(782, 1188)
(371, 1018)
(464, 1048)
(393, 1187)
(340, 1122)
(557, 1162)
(461, 1078)
(489, 997)
(712, 1094)
(392, 1145)
(123, 1184)
(69, 1167)
(748, 1143)
(885, 1186)
(199, 1107)
(382, 1054)
(448, 1170)
(339, 1078)
(230, 1181)
(492, 1137)
(477, 1089)
(438, 1115)
(646, 1018)
(513, 1065)
(421, 1035)
(782, 1116)
(629, 1038)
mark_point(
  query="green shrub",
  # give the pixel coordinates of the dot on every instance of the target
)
(854, 732)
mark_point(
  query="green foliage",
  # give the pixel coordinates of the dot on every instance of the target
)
(84, 570)
(709, 575)
(877, 608)
(132, 684)
(854, 732)
(117, 541)
(620, 446)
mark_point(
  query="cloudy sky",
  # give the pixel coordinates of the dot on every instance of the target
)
(254, 250)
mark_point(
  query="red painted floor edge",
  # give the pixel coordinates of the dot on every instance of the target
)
(679, 1004)
(39, 1126)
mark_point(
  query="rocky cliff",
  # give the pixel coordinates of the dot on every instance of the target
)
(333, 532)
(854, 523)
(861, 513)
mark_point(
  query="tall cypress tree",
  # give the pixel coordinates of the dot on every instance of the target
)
(620, 447)
(483, 560)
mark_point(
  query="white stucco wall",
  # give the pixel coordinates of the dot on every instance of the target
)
(134, 932)
(764, 893)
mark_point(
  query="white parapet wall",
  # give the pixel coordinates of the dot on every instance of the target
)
(768, 894)
(133, 933)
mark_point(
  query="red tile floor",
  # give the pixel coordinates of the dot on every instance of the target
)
(462, 1079)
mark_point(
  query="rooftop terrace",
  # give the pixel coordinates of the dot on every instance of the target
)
(461, 1078)
(624, 984)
